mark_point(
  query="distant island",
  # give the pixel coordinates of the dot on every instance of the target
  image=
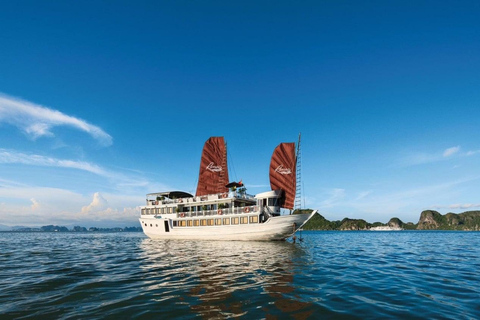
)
(52, 228)
(429, 220)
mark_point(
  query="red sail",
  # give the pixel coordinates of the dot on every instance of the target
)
(213, 167)
(282, 172)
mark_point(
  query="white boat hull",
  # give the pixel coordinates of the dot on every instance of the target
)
(275, 228)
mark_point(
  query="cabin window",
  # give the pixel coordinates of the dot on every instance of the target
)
(151, 225)
(226, 221)
(203, 222)
(254, 219)
(174, 223)
(235, 220)
(272, 202)
(162, 210)
(244, 220)
(156, 225)
(189, 223)
(196, 223)
(210, 222)
(182, 223)
(218, 221)
(143, 211)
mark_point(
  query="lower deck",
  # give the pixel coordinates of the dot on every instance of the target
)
(240, 227)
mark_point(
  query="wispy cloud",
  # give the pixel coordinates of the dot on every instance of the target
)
(471, 153)
(457, 206)
(447, 154)
(120, 180)
(38, 121)
(362, 195)
(10, 156)
(335, 196)
(450, 151)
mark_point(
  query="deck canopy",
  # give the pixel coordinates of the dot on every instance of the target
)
(234, 184)
(171, 194)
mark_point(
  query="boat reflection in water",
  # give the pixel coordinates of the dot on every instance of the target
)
(216, 279)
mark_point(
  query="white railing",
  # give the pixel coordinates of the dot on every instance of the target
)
(209, 197)
(218, 212)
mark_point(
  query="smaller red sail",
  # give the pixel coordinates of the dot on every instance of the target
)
(282, 172)
(213, 174)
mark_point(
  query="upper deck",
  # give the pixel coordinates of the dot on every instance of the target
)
(183, 198)
(185, 204)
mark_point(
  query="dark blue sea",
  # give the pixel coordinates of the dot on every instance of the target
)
(329, 275)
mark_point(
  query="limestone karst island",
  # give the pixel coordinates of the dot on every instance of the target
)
(429, 220)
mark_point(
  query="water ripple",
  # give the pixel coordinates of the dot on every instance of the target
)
(351, 275)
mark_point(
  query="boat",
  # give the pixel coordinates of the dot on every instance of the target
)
(223, 210)
(385, 228)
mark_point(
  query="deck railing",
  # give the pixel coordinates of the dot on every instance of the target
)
(218, 212)
(209, 197)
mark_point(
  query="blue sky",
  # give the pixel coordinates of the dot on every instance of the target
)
(103, 102)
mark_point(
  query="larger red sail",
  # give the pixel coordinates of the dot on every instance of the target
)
(282, 172)
(213, 167)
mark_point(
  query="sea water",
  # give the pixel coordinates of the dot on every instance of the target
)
(328, 275)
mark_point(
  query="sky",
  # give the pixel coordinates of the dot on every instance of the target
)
(102, 102)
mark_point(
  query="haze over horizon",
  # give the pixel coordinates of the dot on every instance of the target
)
(102, 103)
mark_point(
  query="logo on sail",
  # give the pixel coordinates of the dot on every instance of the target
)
(280, 169)
(212, 167)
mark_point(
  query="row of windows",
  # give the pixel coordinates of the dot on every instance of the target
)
(157, 210)
(212, 222)
(215, 221)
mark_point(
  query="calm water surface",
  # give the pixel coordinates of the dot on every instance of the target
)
(364, 275)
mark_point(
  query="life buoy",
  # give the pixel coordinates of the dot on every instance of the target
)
(219, 211)
(246, 210)
(182, 215)
(225, 195)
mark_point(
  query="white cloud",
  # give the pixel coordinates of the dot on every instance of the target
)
(98, 203)
(37, 121)
(451, 151)
(35, 205)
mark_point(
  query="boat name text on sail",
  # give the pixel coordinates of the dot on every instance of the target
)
(212, 167)
(280, 169)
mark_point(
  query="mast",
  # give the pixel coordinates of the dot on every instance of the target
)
(298, 192)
